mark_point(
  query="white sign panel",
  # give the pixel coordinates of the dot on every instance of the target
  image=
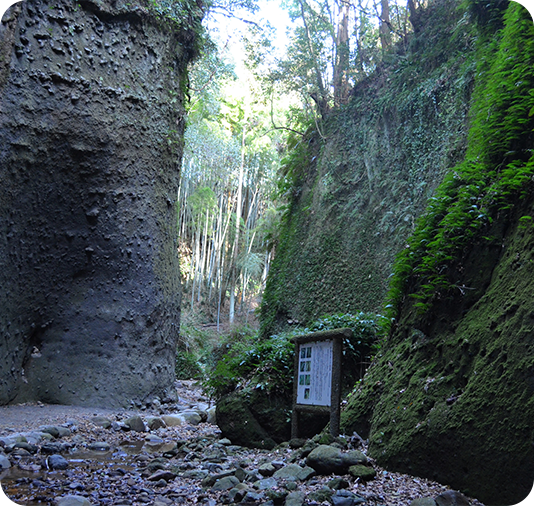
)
(315, 373)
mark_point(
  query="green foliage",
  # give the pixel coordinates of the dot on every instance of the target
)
(185, 17)
(367, 329)
(353, 194)
(242, 357)
(498, 169)
(188, 366)
(267, 364)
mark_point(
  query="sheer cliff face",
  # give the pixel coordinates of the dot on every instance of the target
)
(90, 138)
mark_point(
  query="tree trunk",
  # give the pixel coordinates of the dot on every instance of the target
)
(341, 85)
(385, 22)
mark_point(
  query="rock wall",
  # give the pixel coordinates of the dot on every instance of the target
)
(361, 182)
(451, 396)
(90, 134)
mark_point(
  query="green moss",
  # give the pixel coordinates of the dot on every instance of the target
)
(498, 167)
(359, 189)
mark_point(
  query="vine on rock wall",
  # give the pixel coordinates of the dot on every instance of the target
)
(498, 167)
(356, 190)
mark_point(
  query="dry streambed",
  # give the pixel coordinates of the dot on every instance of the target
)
(178, 458)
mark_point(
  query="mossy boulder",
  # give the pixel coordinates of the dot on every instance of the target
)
(258, 418)
(451, 397)
(238, 423)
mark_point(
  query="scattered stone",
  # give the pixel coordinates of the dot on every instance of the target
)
(50, 429)
(27, 446)
(57, 462)
(252, 497)
(362, 472)
(72, 500)
(4, 462)
(173, 420)
(294, 472)
(155, 422)
(451, 498)
(338, 484)
(191, 417)
(327, 459)
(162, 474)
(423, 501)
(266, 483)
(296, 498)
(346, 498)
(277, 496)
(64, 431)
(21, 452)
(225, 483)
(99, 446)
(266, 469)
(135, 423)
(321, 496)
(101, 421)
(212, 415)
(51, 448)
(297, 443)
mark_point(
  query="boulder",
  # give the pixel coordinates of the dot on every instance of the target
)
(294, 472)
(363, 472)
(72, 500)
(423, 501)
(173, 420)
(135, 423)
(57, 462)
(451, 498)
(326, 459)
(155, 422)
(191, 417)
(295, 498)
(237, 423)
(4, 462)
(101, 421)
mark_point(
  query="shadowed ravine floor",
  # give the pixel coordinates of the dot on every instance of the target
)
(103, 457)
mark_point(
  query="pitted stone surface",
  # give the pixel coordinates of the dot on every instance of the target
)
(90, 134)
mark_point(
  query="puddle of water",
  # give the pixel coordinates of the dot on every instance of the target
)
(132, 447)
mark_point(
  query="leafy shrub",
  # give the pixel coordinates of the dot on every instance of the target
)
(267, 364)
(367, 328)
(187, 366)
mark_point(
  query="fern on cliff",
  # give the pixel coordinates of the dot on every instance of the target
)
(498, 168)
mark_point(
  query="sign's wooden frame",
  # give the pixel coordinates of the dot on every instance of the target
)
(336, 336)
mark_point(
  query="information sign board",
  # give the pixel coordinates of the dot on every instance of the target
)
(315, 373)
(317, 378)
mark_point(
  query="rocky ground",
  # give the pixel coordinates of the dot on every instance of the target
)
(167, 455)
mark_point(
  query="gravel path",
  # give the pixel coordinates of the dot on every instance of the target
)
(101, 460)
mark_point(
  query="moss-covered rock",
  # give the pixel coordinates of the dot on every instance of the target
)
(359, 189)
(238, 423)
(451, 396)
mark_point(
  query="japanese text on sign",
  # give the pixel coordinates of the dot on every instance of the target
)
(315, 373)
